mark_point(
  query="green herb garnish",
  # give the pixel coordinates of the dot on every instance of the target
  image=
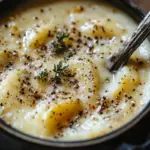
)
(43, 76)
(59, 45)
(61, 35)
(59, 70)
(68, 55)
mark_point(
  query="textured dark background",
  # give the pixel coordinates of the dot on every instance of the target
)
(145, 4)
(137, 138)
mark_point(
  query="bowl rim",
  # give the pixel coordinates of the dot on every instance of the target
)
(80, 143)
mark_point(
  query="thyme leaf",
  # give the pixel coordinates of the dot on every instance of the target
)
(59, 45)
(61, 35)
(68, 55)
(59, 70)
(43, 76)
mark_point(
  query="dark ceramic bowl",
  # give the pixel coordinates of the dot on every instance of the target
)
(136, 14)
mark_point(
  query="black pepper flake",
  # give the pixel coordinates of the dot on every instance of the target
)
(133, 105)
(79, 41)
(79, 34)
(90, 47)
(53, 93)
(89, 38)
(130, 97)
(96, 41)
(36, 18)
(140, 63)
(126, 95)
(82, 8)
(78, 46)
(80, 113)
(108, 19)
(20, 101)
(74, 30)
(133, 90)
(71, 39)
(12, 34)
(5, 25)
(117, 111)
(85, 43)
(103, 29)
(121, 41)
(49, 33)
(73, 23)
(41, 10)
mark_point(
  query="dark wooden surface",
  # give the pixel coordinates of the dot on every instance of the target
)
(144, 4)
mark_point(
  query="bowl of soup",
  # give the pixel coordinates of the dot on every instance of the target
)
(55, 88)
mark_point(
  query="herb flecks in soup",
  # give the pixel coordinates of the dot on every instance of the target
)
(53, 79)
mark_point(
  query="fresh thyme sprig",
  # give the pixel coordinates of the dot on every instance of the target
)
(68, 55)
(43, 76)
(59, 70)
(59, 45)
(61, 35)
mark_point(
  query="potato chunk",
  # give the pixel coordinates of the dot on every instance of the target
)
(14, 91)
(34, 38)
(7, 56)
(103, 28)
(61, 114)
(125, 81)
(88, 78)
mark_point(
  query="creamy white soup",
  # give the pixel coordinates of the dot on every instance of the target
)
(54, 82)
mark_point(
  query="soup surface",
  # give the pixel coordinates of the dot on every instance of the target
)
(53, 77)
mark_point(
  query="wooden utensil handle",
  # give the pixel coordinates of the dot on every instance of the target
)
(120, 58)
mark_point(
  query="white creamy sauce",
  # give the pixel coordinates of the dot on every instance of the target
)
(54, 82)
